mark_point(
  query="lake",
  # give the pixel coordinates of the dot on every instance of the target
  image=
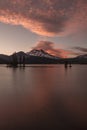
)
(43, 97)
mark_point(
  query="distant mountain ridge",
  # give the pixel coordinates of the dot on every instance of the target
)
(82, 56)
(41, 57)
(4, 58)
(32, 57)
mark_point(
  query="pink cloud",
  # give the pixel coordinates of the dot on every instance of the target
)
(50, 48)
(45, 17)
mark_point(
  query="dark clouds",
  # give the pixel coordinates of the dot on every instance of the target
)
(82, 49)
(45, 17)
(50, 48)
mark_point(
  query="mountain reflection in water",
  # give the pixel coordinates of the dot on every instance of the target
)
(43, 97)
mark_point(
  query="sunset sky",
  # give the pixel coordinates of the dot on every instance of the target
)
(57, 26)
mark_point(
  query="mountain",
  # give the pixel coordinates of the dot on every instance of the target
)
(41, 57)
(21, 53)
(81, 59)
(32, 57)
(41, 53)
(82, 56)
(37, 57)
(4, 58)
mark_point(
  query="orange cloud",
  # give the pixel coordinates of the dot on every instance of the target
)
(50, 48)
(45, 17)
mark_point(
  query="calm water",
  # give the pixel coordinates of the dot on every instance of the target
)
(43, 97)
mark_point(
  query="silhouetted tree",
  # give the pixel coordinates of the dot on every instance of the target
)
(14, 60)
(20, 60)
(23, 61)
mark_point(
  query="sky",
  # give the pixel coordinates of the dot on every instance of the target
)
(57, 26)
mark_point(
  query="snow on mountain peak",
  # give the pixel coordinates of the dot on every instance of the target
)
(41, 53)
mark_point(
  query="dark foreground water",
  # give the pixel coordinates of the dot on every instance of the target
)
(47, 97)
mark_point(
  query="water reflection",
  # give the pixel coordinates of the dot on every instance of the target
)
(43, 97)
